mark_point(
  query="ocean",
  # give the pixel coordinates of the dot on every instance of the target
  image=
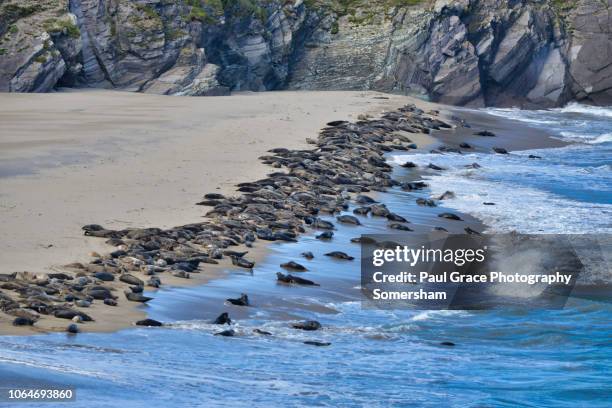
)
(502, 358)
(567, 190)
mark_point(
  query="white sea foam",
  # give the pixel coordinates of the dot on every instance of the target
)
(504, 180)
(573, 123)
(586, 109)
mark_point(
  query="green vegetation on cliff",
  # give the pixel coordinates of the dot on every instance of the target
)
(66, 26)
(344, 7)
(208, 10)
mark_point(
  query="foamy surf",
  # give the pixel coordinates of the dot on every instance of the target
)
(573, 123)
(517, 206)
(568, 190)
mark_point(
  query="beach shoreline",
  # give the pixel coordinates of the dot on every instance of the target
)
(134, 180)
(111, 319)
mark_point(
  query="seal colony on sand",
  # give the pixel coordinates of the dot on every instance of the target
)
(346, 162)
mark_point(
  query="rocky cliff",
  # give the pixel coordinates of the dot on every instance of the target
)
(465, 52)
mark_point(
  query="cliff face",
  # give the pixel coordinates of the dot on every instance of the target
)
(465, 52)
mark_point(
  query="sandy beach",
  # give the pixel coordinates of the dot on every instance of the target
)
(127, 160)
(132, 160)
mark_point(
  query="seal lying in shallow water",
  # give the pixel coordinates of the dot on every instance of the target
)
(243, 300)
(450, 216)
(399, 227)
(308, 255)
(294, 266)
(226, 333)
(361, 210)
(317, 343)
(396, 217)
(339, 255)
(348, 219)
(308, 325)
(325, 236)
(294, 279)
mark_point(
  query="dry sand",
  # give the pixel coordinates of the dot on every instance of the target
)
(133, 160)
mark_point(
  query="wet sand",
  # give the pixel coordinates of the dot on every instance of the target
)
(509, 134)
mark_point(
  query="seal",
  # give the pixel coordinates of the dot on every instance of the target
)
(348, 219)
(154, 282)
(23, 321)
(110, 302)
(396, 217)
(131, 280)
(336, 123)
(242, 263)
(137, 289)
(415, 185)
(322, 224)
(104, 276)
(223, 318)
(137, 297)
(379, 210)
(308, 255)
(485, 133)
(423, 202)
(317, 343)
(364, 199)
(293, 266)
(446, 195)
(262, 332)
(72, 328)
(325, 236)
(399, 227)
(340, 255)
(500, 150)
(149, 323)
(214, 196)
(237, 254)
(70, 313)
(361, 210)
(294, 279)
(363, 240)
(471, 231)
(450, 216)
(226, 333)
(82, 303)
(100, 293)
(308, 325)
(243, 300)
